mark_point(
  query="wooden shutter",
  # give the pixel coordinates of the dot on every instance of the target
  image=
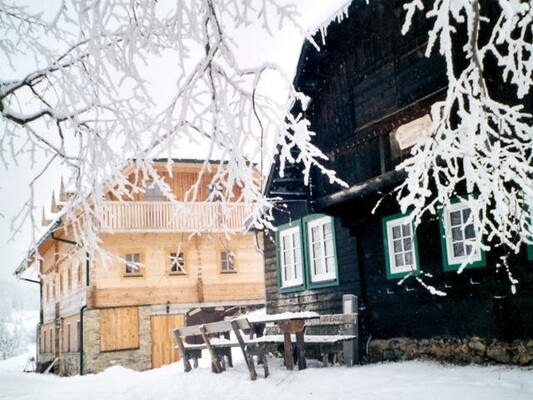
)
(119, 328)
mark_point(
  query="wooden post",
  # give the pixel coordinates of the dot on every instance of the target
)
(249, 359)
(179, 340)
(301, 350)
(215, 362)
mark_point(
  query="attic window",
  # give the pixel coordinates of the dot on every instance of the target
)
(153, 193)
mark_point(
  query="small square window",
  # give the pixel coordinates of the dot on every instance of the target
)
(460, 241)
(227, 261)
(133, 264)
(400, 246)
(177, 263)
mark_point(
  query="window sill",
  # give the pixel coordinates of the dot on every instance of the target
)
(172, 273)
(228, 272)
(133, 275)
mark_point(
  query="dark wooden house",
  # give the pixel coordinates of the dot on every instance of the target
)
(371, 90)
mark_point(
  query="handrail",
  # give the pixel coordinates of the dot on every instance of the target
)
(127, 216)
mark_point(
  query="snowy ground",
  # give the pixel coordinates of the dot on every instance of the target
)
(398, 381)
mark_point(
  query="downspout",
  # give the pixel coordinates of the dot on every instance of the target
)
(82, 309)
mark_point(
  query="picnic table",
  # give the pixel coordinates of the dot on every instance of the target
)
(291, 325)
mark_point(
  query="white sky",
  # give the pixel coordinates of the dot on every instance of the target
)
(282, 48)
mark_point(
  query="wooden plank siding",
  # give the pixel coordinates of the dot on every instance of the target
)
(323, 301)
(163, 344)
(203, 280)
(119, 328)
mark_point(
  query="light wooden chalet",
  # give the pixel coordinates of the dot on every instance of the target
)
(97, 312)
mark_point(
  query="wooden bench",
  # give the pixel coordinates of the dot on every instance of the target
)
(313, 335)
(219, 348)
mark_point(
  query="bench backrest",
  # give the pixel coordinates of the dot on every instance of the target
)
(332, 319)
(212, 327)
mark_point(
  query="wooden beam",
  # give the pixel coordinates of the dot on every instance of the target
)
(363, 189)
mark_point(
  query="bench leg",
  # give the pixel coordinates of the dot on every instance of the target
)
(264, 360)
(301, 352)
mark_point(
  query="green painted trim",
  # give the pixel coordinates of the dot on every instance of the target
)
(322, 284)
(398, 275)
(530, 252)
(290, 289)
(456, 266)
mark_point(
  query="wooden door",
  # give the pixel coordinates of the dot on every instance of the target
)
(163, 343)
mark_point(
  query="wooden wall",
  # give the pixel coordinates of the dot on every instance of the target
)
(326, 300)
(477, 302)
(185, 176)
(203, 282)
(367, 81)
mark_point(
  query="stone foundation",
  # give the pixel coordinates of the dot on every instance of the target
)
(139, 359)
(456, 351)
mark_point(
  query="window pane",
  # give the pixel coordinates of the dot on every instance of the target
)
(457, 234)
(466, 214)
(330, 264)
(455, 218)
(396, 232)
(470, 232)
(409, 258)
(398, 260)
(327, 230)
(317, 250)
(469, 249)
(458, 249)
(397, 246)
(407, 244)
(315, 233)
(329, 247)
(406, 230)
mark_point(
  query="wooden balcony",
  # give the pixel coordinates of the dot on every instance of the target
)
(150, 216)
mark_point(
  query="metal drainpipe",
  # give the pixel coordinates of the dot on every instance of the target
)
(82, 309)
(87, 264)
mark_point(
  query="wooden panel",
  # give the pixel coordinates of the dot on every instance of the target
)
(119, 328)
(163, 343)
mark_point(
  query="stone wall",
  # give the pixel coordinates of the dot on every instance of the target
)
(96, 361)
(457, 351)
(69, 364)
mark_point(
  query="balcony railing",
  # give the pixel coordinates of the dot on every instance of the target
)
(149, 216)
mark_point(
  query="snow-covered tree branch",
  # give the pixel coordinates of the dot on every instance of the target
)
(91, 101)
(481, 148)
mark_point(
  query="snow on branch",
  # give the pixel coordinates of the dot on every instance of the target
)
(122, 83)
(482, 144)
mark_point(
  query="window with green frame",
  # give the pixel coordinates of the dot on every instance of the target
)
(306, 254)
(459, 238)
(401, 249)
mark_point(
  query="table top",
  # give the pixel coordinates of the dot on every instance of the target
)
(282, 317)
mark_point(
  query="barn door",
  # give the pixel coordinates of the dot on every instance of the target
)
(163, 343)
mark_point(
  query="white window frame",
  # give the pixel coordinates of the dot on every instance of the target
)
(297, 255)
(391, 252)
(472, 220)
(318, 263)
